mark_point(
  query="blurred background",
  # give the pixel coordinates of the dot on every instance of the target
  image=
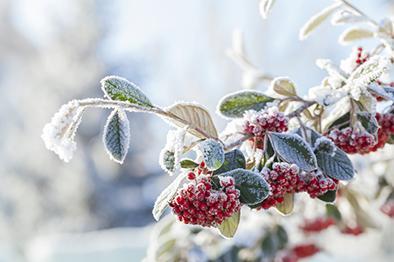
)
(51, 51)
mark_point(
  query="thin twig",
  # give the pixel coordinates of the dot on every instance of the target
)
(357, 10)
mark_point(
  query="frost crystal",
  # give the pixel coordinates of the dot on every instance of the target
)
(169, 155)
(58, 135)
(326, 145)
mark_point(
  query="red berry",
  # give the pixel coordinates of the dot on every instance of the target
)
(257, 124)
(352, 141)
(191, 176)
(199, 204)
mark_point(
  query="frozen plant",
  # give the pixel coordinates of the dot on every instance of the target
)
(277, 144)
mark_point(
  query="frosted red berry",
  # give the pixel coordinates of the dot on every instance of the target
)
(198, 203)
(353, 230)
(305, 250)
(257, 124)
(352, 141)
(317, 184)
(283, 178)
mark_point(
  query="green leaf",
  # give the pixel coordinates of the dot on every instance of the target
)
(287, 206)
(282, 236)
(213, 153)
(234, 105)
(332, 211)
(119, 88)
(229, 226)
(252, 186)
(165, 196)
(232, 160)
(337, 166)
(369, 122)
(188, 164)
(117, 135)
(293, 149)
(329, 196)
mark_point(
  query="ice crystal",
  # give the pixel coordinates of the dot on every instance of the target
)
(58, 134)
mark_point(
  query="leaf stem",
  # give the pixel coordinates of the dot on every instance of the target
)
(357, 10)
(105, 103)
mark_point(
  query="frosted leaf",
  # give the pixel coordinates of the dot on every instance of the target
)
(170, 154)
(234, 105)
(293, 149)
(335, 111)
(369, 122)
(165, 196)
(232, 160)
(213, 153)
(331, 68)
(337, 166)
(368, 72)
(325, 145)
(116, 136)
(167, 160)
(58, 134)
(353, 34)
(284, 86)
(252, 186)
(345, 17)
(318, 19)
(385, 92)
(195, 116)
(265, 7)
(229, 226)
(119, 88)
(287, 206)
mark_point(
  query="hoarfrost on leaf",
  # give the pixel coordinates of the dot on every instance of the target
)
(293, 149)
(116, 136)
(234, 105)
(165, 196)
(213, 153)
(265, 7)
(170, 154)
(58, 135)
(252, 186)
(119, 88)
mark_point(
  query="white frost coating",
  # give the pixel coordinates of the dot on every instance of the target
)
(213, 153)
(367, 73)
(175, 143)
(331, 68)
(325, 144)
(349, 64)
(346, 16)
(58, 135)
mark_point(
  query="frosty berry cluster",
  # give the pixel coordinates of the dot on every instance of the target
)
(257, 124)
(286, 178)
(198, 203)
(354, 141)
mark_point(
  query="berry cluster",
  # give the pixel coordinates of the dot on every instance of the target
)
(358, 142)
(257, 124)
(199, 204)
(362, 56)
(352, 141)
(317, 184)
(285, 178)
(298, 252)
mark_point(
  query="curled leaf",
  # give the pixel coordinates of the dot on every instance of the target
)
(284, 86)
(287, 206)
(192, 115)
(213, 153)
(317, 20)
